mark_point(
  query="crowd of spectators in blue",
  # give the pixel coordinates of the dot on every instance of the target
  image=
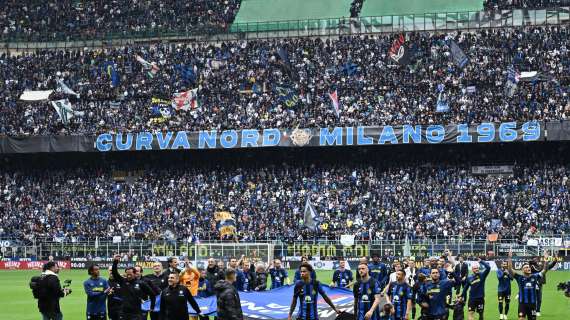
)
(70, 19)
(372, 88)
(268, 202)
(524, 4)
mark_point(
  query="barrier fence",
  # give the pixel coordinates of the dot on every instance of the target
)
(268, 250)
(295, 28)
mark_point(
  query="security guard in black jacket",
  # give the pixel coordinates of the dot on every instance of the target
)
(173, 300)
(133, 292)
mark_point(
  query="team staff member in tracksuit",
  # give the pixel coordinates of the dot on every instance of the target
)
(173, 300)
(475, 284)
(114, 300)
(307, 291)
(172, 268)
(133, 292)
(367, 295)
(96, 289)
(155, 280)
(399, 294)
(504, 290)
(527, 283)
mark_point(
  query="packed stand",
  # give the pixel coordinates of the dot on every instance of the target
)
(269, 202)
(237, 83)
(524, 4)
(68, 19)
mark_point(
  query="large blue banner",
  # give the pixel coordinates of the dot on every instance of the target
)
(323, 137)
(274, 304)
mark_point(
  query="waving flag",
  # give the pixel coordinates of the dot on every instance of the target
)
(334, 99)
(287, 66)
(62, 87)
(151, 66)
(458, 55)
(185, 100)
(225, 223)
(109, 68)
(310, 215)
(442, 101)
(64, 110)
(513, 78)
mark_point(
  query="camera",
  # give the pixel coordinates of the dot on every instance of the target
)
(564, 287)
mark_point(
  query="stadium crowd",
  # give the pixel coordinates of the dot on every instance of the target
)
(237, 83)
(524, 4)
(67, 19)
(269, 202)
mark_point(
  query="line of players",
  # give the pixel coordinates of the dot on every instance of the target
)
(430, 287)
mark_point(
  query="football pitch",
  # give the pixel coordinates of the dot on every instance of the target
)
(17, 303)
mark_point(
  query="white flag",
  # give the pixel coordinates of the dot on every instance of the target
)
(63, 109)
(310, 215)
(65, 89)
(35, 95)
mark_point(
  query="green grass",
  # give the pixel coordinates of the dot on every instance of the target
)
(17, 303)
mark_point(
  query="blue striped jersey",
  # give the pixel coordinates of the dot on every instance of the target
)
(364, 296)
(400, 294)
(504, 281)
(307, 293)
(527, 287)
(342, 278)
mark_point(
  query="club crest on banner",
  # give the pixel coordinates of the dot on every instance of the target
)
(301, 137)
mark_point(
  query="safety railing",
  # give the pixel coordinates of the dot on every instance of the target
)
(294, 28)
(141, 248)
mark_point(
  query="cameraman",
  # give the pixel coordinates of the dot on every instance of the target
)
(51, 292)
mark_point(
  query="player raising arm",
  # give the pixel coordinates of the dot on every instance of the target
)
(527, 282)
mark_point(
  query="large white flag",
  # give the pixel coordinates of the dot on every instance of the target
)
(35, 95)
(63, 109)
(310, 214)
(65, 89)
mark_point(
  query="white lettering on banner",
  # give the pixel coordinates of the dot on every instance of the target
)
(545, 242)
(5, 244)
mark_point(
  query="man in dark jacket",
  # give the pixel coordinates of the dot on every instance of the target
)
(260, 278)
(48, 302)
(155, 280)
(461, 272)
(173, 300)
(133, 292)
(213, 274)
(229, 305)
(172, 268)
(114, 300)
